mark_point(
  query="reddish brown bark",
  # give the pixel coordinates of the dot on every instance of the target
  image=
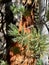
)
(21, 59)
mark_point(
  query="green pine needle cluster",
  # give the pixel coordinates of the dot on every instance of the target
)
(34, 41)
(17, 9)
(20, 9)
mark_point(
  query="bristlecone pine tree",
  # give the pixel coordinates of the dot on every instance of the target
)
(27, 43)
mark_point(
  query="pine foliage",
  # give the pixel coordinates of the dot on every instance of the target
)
(17, 9)
(34, 41)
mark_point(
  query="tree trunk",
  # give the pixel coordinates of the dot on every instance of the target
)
(42, 7)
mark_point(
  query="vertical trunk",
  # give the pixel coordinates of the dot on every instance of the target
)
(42, 7)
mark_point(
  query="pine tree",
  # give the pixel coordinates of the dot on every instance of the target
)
(34, 44)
